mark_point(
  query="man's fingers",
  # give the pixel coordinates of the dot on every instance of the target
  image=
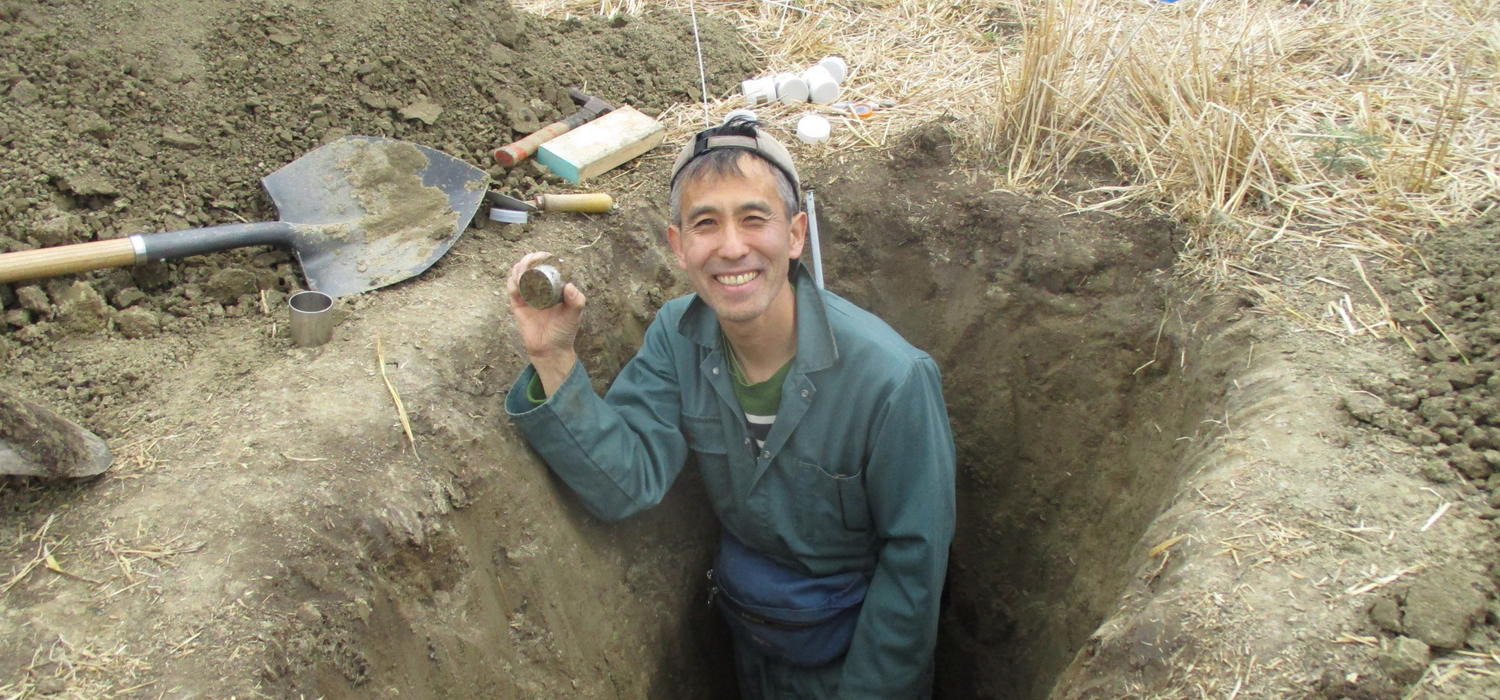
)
(573, 297)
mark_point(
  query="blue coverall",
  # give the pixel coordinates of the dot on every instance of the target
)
(857, 473)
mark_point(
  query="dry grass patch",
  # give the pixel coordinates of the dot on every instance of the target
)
(921, 59)
(1355, 124)
(1258, 123)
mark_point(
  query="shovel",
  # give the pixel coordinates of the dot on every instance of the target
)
(359, 213)
(34, 441)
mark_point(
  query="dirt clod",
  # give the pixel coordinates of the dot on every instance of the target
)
(58, 228)
(32, 298)
(1404, 659)
(1442, 604)
(226, 286)
(425, 112)
(137, 323)
(1341, 685)
(81, 309)
(177, 139)
(1386, 613)
(127, 297)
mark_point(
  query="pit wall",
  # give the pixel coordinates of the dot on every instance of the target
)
(1077, 382)
(516, 591)
(465, 570)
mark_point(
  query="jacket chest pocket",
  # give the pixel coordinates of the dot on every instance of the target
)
(710, 449)
(828, 507)
(705, 435)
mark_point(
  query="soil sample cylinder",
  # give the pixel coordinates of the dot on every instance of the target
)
(542, 284)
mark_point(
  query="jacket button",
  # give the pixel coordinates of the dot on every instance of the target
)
(765, 454)
(806, 393)
(716, 370)
(747, 441)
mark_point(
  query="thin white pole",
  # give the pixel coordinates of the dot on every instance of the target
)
(812, 239)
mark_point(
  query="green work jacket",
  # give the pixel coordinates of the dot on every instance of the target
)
(857, 473)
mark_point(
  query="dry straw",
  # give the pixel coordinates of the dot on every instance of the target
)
(1356, 123)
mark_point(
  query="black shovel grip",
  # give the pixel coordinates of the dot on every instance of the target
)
(180, 244)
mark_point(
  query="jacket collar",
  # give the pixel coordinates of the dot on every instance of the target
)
(816, 348)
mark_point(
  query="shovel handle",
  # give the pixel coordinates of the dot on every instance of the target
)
(139, 248)
(66, 259)
(590, 203)
(510, 154)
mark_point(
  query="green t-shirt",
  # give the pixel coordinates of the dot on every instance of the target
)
(759, 400)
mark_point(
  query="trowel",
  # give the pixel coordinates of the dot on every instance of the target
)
(587, 203)
(35, 441)
(509, 210)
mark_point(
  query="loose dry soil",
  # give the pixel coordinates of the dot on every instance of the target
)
(1164, 491)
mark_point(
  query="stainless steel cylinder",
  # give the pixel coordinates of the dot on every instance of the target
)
(542, 286)
(312, 318)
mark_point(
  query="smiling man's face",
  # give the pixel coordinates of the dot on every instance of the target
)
(736, 242)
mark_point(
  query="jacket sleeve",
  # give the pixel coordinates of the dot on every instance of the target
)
(620, 453)
(910, 485)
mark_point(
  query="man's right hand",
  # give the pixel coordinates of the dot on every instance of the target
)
(547, 334)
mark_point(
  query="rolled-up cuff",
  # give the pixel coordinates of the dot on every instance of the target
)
(527, 394)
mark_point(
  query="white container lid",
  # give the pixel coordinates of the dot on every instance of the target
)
(790, 88)
(508, 216)
(821, 87)
(836, 67)
(812, 128)
(758, 90)
(739, 113)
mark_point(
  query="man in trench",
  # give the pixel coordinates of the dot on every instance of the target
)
(820, 432)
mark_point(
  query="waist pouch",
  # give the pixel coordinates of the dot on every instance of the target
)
(801, 620)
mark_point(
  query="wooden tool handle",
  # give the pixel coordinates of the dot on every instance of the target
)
(590, 203)
(66, 259)
(511, 154)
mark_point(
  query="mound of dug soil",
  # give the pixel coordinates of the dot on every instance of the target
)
(125, 119)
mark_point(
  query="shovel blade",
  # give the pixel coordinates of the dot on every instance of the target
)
(369, 211)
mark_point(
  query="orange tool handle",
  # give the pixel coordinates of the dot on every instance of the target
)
(516, 152)
(66, 259)
(591, 203)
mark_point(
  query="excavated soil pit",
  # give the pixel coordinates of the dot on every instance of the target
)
(1077, 376)
(1078, 379)
(1077, 383)
(299, 542)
